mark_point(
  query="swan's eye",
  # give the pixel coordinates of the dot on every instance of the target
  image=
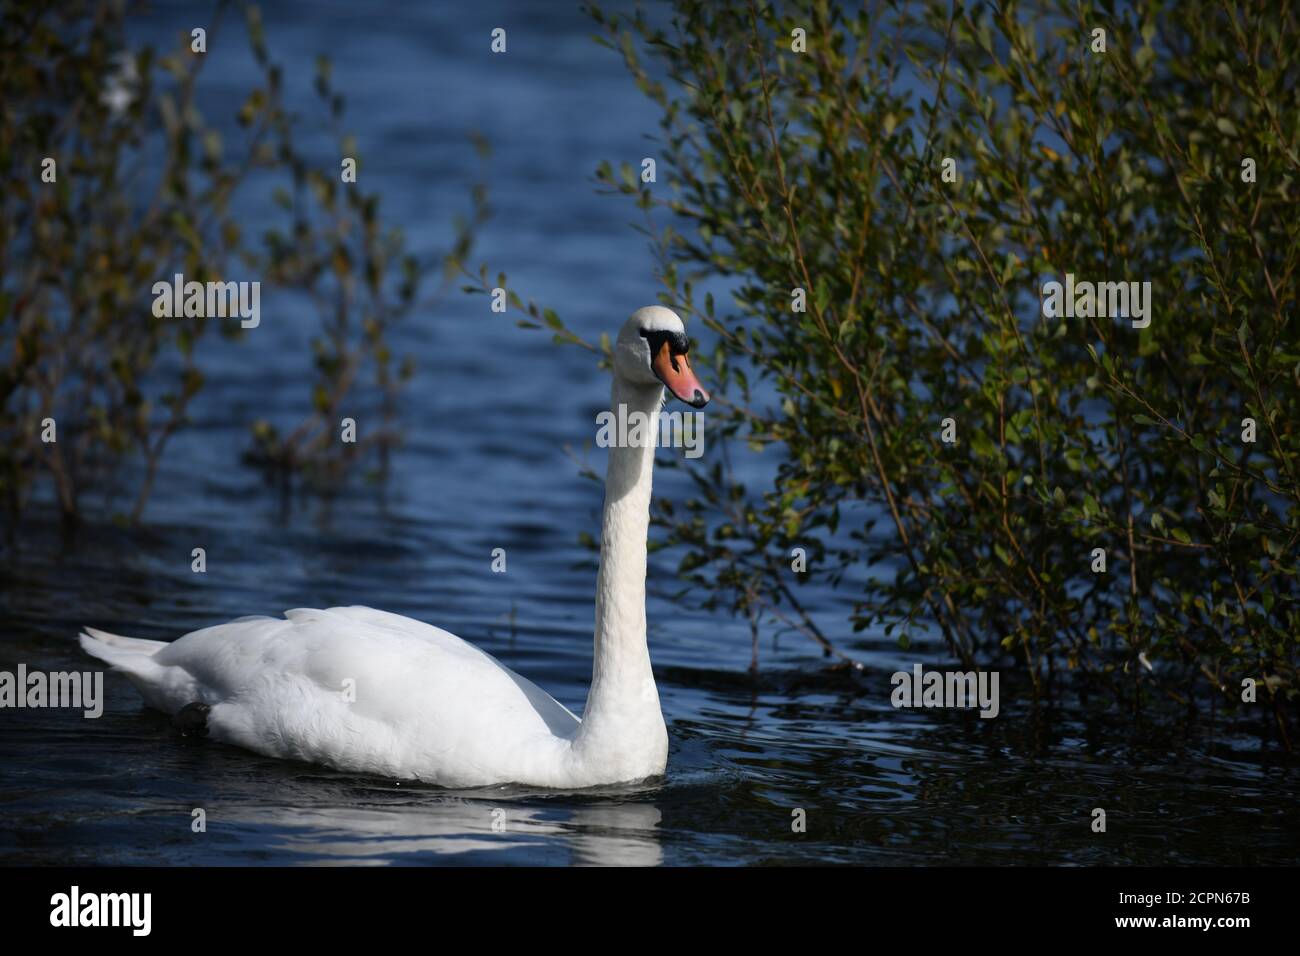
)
(678, 343)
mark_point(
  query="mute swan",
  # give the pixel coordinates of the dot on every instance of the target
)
(425, 704)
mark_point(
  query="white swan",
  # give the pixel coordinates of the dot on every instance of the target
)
(428, 706)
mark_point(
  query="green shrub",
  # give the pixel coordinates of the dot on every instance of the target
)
(145, 188)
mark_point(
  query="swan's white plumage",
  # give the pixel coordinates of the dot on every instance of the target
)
(425, 704)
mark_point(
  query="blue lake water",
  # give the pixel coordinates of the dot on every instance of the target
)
(486, 424)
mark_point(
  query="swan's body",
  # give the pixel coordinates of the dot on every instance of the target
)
(372, 692)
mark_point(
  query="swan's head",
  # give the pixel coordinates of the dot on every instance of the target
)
(651, 349)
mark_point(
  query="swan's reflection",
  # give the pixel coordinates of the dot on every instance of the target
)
(451, 829)
(617, 835)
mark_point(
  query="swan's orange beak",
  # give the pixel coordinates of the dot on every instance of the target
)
(674, 370)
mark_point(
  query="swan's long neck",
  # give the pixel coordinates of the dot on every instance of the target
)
(622, 720)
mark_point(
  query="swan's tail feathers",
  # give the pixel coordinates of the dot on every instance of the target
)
(93, 637)
(128, 654)
(134, 657)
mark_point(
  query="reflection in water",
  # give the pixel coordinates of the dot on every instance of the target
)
(614, 834)
(617, 835)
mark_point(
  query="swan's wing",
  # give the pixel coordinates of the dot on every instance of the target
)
(407, 627)
(552, 710)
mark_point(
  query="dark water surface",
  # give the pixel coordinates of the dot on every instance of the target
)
(486, 424)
